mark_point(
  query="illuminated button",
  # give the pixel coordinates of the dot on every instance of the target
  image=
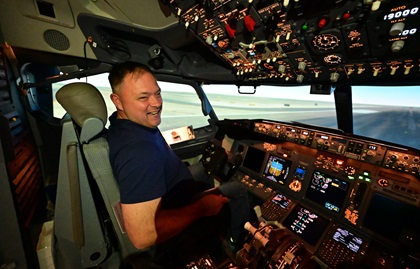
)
(322, 22)
(305, 27)
(346, 16)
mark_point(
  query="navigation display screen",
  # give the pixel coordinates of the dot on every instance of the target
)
(254, 159)
(277, 169)
(391, 218)
(348, 239)
(305, 224)
(327, 191)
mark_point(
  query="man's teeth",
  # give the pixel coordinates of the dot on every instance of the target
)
(154, 113)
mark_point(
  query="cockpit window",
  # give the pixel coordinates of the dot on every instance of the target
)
(378, 112)
(181, 105)
(272, 103)
(391, 114)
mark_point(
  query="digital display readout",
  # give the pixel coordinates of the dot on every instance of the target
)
(372, 147)
(348, 239)
(401, 12)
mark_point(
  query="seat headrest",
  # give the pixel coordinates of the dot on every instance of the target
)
(86, 106)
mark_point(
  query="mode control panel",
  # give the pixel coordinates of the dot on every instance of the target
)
(364, 150)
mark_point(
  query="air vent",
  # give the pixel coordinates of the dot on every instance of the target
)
(57, 40)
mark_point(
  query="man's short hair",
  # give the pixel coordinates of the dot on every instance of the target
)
(121, 70)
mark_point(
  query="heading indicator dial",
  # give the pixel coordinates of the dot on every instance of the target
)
(326, 42)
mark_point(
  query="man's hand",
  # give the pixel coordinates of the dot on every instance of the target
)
(211, 204)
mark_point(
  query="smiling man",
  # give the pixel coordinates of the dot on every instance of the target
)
(160, 199)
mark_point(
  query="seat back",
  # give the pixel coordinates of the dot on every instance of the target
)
(87, 109)
(97, 156)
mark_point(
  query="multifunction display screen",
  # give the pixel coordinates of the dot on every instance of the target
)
(277, 169)
(305, 224)
(254, 159)
(392, 219)
(327, 191)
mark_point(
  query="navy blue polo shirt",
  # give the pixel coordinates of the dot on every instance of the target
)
(144, 165)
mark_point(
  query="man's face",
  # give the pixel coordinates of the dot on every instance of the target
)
(139, 99)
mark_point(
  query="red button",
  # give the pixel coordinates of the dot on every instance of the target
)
(346, 16)
(322, 22)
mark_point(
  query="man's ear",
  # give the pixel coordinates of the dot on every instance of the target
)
(116, 100)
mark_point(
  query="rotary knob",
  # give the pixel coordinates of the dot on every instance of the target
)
(299, 78)
(301, 66)
(282, 69)
(396, 29)
(397, 46)
(334, 77)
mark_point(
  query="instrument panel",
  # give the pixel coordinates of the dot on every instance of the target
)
(343, 198)
(304, 41)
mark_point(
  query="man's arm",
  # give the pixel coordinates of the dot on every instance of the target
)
(147, 225)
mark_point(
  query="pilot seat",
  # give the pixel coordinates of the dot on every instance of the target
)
(88, 226)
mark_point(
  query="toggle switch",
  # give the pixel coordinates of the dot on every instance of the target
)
(407, 68)
(394, 69)
(376, 70)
